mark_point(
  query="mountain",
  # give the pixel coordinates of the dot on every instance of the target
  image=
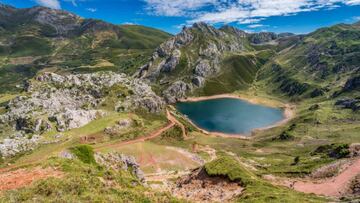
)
(36, 38)
(210, 61)
(320, 64)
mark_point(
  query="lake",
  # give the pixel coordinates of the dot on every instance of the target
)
(229, 116)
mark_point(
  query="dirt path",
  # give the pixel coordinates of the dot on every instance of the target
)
(333, 187)
(172, 118)
(152, 135)
(24, 177)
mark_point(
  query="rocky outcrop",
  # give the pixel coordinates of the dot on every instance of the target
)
(198, 81)
(18, 143)
(176, 91)
(117, 161)
(352, 84)
(204, 69)
(72, 101)
(347, 103)
(61, 21)
(171, 62)
(262, 37)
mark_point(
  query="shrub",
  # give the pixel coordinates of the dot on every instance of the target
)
(84, 153)
(337, 151)
(286, 136)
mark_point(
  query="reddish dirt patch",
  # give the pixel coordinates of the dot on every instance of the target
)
(200, 187)
(336, 186)
(23, 177)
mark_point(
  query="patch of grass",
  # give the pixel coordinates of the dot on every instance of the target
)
(228, 167)
(85, 153)
(175, 133)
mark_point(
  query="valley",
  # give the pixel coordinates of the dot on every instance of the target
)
(89, 110)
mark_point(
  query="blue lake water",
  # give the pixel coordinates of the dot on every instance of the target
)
(229, 116)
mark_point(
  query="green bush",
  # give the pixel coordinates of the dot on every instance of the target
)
(337, 151)
(84, 153)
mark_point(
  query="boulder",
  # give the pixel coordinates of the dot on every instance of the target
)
(176, 91)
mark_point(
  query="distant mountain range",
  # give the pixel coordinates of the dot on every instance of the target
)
(200, 60)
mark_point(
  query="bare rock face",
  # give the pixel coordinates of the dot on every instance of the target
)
(198, 81)
(176, 91)
(172, 61)
(63, 22)
(117, 161)
(204, 69)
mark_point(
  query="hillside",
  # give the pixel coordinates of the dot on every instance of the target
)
(325, 62)
(40, 38)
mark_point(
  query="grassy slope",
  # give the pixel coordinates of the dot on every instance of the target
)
(85, 182)
(124, 51)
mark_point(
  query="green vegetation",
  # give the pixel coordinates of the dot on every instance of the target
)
(84, 153)
(174, 133)
(228, 167)
(31, 46)
(334, 150)
(85, 183)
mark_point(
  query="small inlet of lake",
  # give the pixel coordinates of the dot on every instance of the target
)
(230, 115)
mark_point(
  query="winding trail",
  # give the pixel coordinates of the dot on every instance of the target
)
(172, 122)
(332, 187)
(335, 186)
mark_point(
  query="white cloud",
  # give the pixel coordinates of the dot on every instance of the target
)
(352, 2)
(177, 7)
(240, 11)
(91, 9)
(49, 3)
(255, 26)
(128, 23)
(356, 18)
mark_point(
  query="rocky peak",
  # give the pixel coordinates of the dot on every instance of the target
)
(233, 30)
(286, 34)
(207, 29)
(6, 10)
(262, 37)
(62, 21)
(93, 25)
(4, 6)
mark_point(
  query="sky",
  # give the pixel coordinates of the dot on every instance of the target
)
(296, 16)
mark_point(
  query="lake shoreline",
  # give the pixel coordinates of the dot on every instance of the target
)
(288, 114)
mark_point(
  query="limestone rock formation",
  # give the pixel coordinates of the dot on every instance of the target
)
(117, 161)
(72, 101)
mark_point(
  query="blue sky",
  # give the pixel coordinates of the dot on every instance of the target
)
(297, 16)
